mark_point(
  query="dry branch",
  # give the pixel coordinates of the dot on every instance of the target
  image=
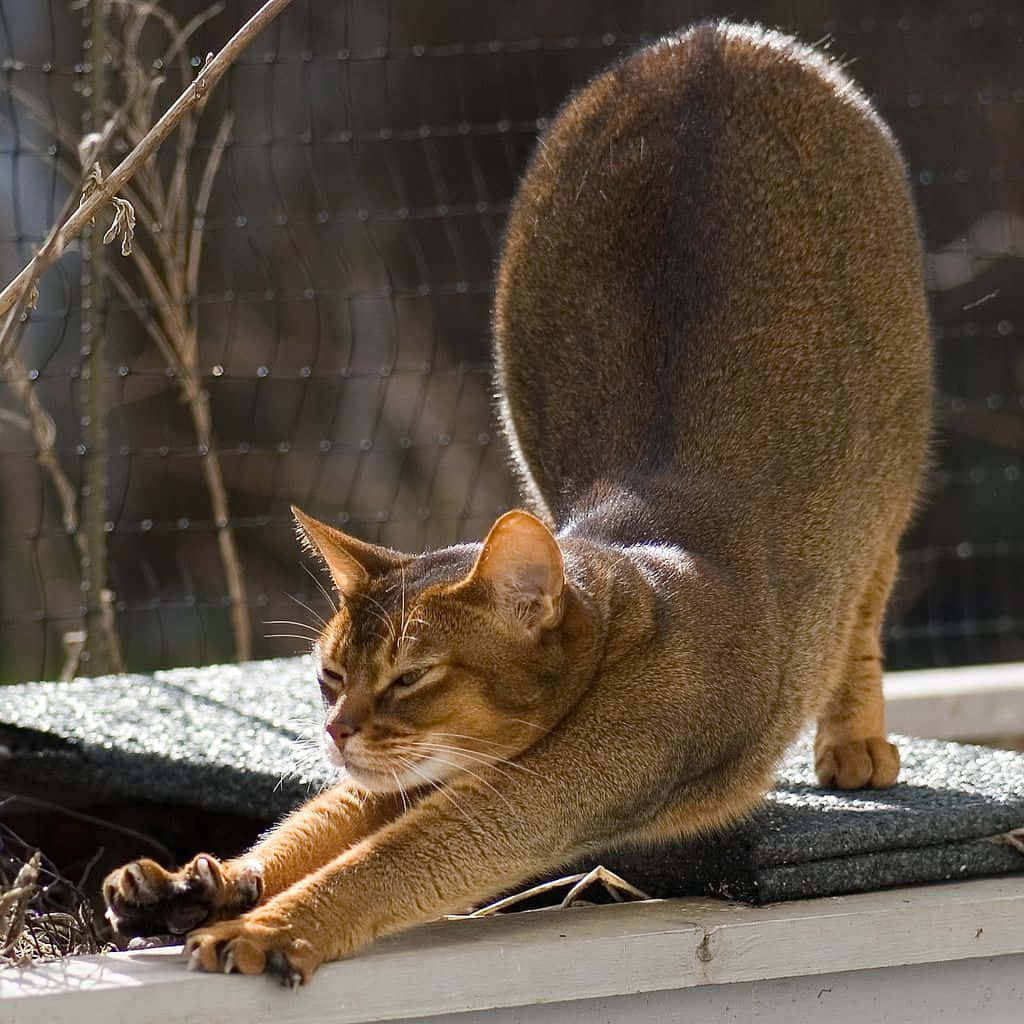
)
(194, 95)
(173, 230)
(157, 210)
(99, 642)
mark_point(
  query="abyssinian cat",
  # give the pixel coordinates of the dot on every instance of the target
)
(715, 372)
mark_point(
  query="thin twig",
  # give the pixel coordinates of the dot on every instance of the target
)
(1013, 838)
(56, 918)
(79, 211)
(194, 94)
(160, 849)
(44, 433)
(23, 300)
(179, 233)
(14, 903)
(102, 645)
(220, 141)
(177, 238)
(172, 294)
(70, 141)
(612, 883)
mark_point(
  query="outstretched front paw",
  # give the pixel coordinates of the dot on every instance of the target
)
(250, 946)
(145, 899)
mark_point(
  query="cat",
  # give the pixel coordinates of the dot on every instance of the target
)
(715, 374)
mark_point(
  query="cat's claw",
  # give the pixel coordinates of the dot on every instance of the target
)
(144, 899)
(279, 966)
(247, 946)
(151, 941)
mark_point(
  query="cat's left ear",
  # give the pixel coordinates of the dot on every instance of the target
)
(522, 564)
(352, 562)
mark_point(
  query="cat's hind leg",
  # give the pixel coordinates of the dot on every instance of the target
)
(851, 750)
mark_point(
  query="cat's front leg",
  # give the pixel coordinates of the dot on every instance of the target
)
(145, 899)
(452, 851)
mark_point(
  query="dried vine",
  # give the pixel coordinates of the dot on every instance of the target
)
(174, 229)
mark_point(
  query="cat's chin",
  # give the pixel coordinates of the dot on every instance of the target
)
(376, 783)
(399, 779)
(333, 754)
(373, 780)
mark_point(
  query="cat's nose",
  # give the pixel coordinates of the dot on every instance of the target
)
(340, 727)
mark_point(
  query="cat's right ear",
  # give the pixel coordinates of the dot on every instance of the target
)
(351, 562)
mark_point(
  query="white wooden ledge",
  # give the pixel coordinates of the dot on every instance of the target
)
(654, 961)
(977, 702)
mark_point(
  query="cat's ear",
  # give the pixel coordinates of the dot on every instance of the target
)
(352, 563)
(522, 564)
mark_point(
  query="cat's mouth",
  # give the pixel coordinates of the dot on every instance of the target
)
(398, 767)
(377, 774)
(388, 778)
(392, 774)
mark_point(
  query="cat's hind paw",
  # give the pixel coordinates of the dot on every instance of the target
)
(144, 899)
(249, 947)
(858, 764)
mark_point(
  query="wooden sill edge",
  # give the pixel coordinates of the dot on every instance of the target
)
(545, 957)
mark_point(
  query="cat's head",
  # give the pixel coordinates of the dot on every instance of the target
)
(439, 663)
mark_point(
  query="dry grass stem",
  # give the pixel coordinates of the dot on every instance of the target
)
(14, 903)
(172, 225)
(1014, 838)
(174, 233)
(43, 916)
(617, 888)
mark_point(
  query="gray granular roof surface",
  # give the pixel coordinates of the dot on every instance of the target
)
(229, 738)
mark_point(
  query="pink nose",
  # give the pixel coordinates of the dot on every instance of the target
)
(340, 728)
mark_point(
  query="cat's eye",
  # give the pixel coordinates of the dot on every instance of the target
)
(330, 683)
(407, 680)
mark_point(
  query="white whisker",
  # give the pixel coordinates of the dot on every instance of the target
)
(436, 785)
(316, 579)
(302, 604)
(401, 791)
(383, 616)
(401, 566)
(479, 756)
(291, 622)
(406, 638)
(475, 739)
(532, 725)
(454, 764)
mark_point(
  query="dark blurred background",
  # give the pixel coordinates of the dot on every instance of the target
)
(343, 301)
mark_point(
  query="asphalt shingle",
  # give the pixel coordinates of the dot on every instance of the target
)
(229, 738)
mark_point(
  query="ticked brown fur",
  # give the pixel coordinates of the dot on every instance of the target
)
(715, 372)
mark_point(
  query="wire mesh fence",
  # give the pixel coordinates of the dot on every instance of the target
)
(322, 252)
